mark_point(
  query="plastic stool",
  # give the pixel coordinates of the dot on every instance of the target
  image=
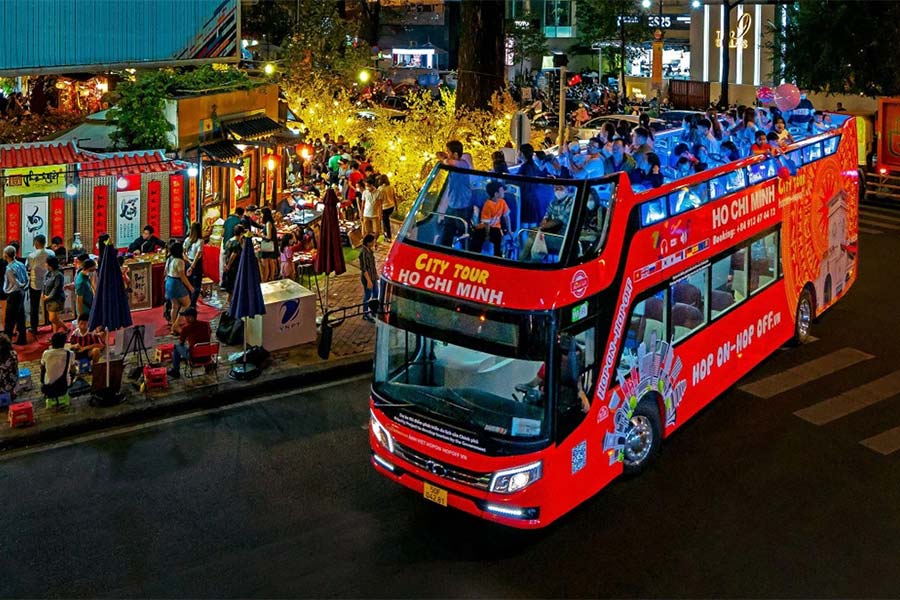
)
(24, 384)
(164, 352)
(61, 402)
(155, 378)
(5, 399)
(84, 366)
(21, 414)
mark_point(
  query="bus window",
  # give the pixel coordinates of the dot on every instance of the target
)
(729, 282)
(761, 171)
(653, 211)
(763, 262)
(687, 198)
(593, 225)
(689, 304)
(830, 145)
(796, 156)
(575, 383)
(727, 183)
(647, 325)
(812, 152)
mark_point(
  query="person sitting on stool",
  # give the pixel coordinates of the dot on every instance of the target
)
(86, 343)
(193, 332)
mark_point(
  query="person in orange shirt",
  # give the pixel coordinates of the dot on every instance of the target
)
(494, 221)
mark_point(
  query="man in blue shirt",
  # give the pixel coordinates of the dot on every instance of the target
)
(14, 286)
(455, 208)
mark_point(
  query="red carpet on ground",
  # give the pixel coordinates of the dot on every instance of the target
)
(151, 318)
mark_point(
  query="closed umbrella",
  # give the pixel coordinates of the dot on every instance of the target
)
(110, 308)
(246, 302)
(330, 255)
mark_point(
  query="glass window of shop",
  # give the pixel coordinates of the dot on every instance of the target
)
(676, 62)
(558, 18)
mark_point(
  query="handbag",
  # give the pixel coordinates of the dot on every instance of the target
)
(539, 248)
(267, 246)
(230, 330)
(58, 388)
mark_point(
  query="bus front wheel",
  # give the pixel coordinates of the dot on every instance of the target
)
(804, 317)
(642, 438)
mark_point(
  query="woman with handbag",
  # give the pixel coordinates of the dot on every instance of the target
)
(193, 253)
(178, 287)
(268, 252)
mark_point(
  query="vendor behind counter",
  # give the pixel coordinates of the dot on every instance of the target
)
(148, 243)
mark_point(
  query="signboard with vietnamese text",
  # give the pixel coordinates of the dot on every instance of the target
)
(128, 216)
(35, 180)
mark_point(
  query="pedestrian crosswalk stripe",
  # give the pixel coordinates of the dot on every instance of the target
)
(885, 443)
(808, 371)
(878, 224)
(852, 401)
(872, 231)
(874, 215)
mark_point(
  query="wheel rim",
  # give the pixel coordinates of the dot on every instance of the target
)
(638, 440)
(804, 316)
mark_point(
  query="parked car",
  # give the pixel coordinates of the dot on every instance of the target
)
(622, 122)
(394, 108)
(674, 117)
(544, 121)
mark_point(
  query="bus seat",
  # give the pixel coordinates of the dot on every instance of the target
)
(687, 293)
(739, 284)
(685, 315)
(720, 301)
(737, 261)
(653, 308)
(652, 326)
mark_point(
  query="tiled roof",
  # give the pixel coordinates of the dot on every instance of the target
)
(253, 128)
(38, 154)
(222, 150)
(128, 163)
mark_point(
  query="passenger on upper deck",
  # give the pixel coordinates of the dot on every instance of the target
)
(457, 202)
(780, 129)
(619, 161)
(531, 193)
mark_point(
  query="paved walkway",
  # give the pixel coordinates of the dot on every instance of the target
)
(351, 353)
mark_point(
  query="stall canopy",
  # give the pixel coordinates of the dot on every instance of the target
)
(222, 150)
(38, 154)
(253, 128)
(129, 163)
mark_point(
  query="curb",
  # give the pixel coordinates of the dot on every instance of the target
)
(212, 396)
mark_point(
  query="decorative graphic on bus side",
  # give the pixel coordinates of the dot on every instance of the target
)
(653, 371)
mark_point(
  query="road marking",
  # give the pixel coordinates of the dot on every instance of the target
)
(878, 224)
(852, 401)
(872, 215)
(90, 437)
(885, 443)
(867, 230)
(808, 371)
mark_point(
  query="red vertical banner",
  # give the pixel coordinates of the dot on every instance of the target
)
(13, 222)
(176, 206)
(192, 189)
(57, 218)
(101, 208)
(154, 194)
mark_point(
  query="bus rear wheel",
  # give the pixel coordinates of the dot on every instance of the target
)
(642, 438)
(803, 318)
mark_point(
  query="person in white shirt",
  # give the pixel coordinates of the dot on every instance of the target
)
(37, 271)
(56, 367)
(371, 221)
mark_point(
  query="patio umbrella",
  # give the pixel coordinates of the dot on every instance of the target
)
(246, 302)
(110, 308)
(330, 255)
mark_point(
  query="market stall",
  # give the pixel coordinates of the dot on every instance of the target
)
(147, 273)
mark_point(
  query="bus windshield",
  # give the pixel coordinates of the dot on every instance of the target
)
(520, 219)
(467, 370)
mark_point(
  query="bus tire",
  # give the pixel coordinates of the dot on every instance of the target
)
(642, 438)
(803, 318)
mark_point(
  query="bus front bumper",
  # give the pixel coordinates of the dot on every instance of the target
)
(503, 512)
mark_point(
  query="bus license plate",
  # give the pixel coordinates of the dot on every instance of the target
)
(435, 494)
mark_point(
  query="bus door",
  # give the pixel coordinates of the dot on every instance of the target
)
(576, 357)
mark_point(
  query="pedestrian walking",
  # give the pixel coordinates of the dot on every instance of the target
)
(388, 198)
(37, 271)
(54, 295)
(14, 285)
(193, 254)
(369, 274)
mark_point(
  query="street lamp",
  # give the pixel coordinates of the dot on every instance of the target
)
(364, 76)
(269, 69)
(192, 171)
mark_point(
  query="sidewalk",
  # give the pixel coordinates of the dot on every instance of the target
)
(351, 354)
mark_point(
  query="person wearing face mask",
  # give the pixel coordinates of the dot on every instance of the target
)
(619, 161)
(553, 225)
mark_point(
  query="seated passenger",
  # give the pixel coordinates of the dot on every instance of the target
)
(728, 152)
(647, 171)
(761, 145)
(619, 161)
(572, 397)
(549, 239)
(683, 168)
(86, 343)
(783, 136)
(703, 158)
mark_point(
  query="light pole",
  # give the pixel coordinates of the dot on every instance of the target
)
(727, 6)
(561, 61)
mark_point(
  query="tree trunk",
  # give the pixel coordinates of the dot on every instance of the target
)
(370, 13)
(480, 53)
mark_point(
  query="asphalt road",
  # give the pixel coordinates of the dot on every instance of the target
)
(277, 498)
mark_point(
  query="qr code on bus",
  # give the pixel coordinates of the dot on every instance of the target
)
(579, 457)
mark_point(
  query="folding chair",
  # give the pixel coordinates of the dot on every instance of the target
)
(204, 355)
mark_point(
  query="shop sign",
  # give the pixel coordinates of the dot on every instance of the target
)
(176, 205)
(12, 221)
(737, 38)
(154, 202)
(35, 180)
(34, 220)
(128, 216)
(192, 195)
(57, 218)
(101, 209)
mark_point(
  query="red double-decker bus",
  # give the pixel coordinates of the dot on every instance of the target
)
(515, 378)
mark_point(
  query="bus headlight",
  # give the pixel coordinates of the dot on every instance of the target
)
(513, 480)
(381, 432)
